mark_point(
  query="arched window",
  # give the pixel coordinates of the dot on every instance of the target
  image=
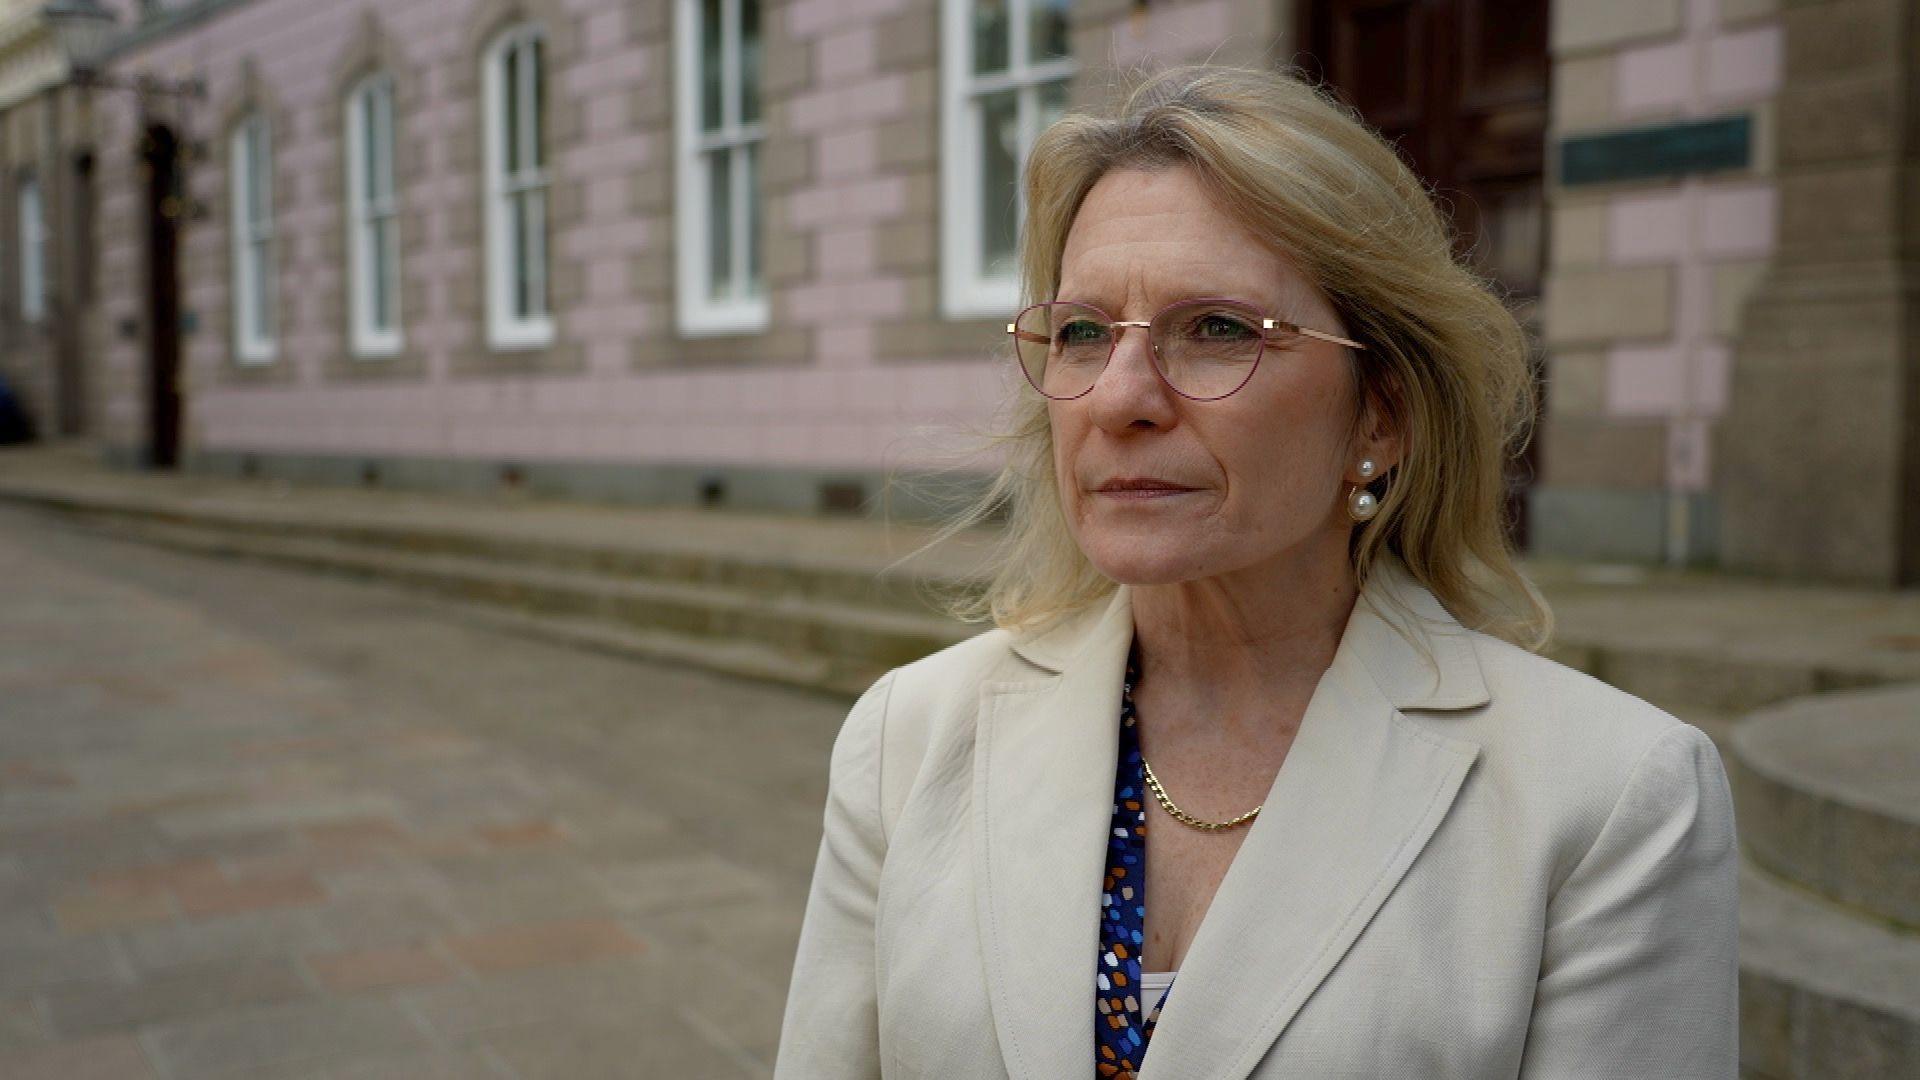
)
(33, 251)
(518, 315)
(250, 179)
(718, 202)
(1006, 67)
(373, 236)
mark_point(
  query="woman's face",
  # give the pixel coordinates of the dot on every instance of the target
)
(1269, 466)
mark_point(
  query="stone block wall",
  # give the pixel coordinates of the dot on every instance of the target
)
(1650, 267)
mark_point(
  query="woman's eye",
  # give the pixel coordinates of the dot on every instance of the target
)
(1077, 333)
(1221, 327)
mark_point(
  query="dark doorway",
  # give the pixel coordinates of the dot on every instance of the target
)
(159, 156)
(76, 295)
(1461, 86)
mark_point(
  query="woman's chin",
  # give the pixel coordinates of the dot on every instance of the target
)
(1147, 560)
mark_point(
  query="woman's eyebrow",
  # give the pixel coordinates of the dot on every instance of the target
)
(1099, 300)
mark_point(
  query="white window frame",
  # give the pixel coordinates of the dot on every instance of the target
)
(367, 212)
(507, 329)
(967, 290)
(746, 310)
(33, 249)
(254, 247)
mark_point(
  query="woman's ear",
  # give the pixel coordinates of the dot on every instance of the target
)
(1380, 432)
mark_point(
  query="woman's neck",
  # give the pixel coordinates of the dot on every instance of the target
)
(1230, 645)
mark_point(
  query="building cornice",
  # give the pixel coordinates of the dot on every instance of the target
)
(161, 25)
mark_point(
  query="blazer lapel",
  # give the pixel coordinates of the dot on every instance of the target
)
(1044, 756)
(1359, 795)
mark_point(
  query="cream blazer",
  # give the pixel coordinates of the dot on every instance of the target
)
(1484, 865)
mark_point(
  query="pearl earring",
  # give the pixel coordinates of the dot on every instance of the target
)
(1362, 504)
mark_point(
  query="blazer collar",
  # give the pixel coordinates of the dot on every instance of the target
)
(1381, 633)
(1362, 790)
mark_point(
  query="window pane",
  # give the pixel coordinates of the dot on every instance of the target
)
(32, 253)
(749, 61)
(1053, 104)
(516, 255)
(383, 142)
(262, 289)
(369, 148)
(259, 175)
(381, 319)
(536, 76)
(523, 256)
(753, 219)
(990, 27)
(510, 109)
(999, 168)
(537, 251)
(1047, 30)
(719, 222)
(710, 88)
(391, 256)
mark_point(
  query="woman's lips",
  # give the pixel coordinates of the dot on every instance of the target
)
(1142, 494)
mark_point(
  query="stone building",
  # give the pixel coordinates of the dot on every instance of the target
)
(46, 173)
(756, 252)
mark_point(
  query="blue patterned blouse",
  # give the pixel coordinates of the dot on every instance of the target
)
(1120, 1033)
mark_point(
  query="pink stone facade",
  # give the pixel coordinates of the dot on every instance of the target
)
(853, 215)
(1635, 388)
(860, 366)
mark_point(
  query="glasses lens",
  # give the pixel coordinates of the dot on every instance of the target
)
(1063, 347)
(1207, 348)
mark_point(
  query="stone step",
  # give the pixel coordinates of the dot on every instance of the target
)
(791, 639)
(1827, 793)
(1705, 677)
(1823, 993)
(740, 659)
(1673, 645)
(856, 582)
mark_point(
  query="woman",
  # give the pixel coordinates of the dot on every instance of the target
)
(1262, 716)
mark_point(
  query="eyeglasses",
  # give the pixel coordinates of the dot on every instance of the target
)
(1205, 348)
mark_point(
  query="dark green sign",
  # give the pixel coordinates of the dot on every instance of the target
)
(1690, 146)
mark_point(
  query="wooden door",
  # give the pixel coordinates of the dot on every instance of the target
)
(159, 154)
(1461, 87)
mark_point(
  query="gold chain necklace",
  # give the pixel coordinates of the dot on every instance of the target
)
(1181, 816)
(1160, 793)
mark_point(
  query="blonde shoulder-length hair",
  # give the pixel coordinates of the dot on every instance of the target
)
(1446, 361)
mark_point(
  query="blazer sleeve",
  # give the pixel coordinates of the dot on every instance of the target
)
(831, 1030)
(1640, 970)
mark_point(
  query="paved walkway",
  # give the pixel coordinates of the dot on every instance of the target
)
(258, 824)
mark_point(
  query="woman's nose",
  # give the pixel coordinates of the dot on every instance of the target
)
(1131, 388)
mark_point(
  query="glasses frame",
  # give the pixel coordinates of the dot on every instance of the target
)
(1268, 325)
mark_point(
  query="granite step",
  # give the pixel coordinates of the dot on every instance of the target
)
(1824, 994)
(1695, 642)
(797, 640)
(760, 567)
(1827, 793)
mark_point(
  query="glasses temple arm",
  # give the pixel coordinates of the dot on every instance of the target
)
(1289, 328)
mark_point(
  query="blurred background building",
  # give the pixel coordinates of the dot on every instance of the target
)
(749, 253)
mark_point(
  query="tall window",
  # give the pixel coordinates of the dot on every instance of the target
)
(250, 157)
(33, 252)
(1006, 66)
(518, 315)
(373, 234)
(717, 111)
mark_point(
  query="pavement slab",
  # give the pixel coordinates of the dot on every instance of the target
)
(259, 825)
